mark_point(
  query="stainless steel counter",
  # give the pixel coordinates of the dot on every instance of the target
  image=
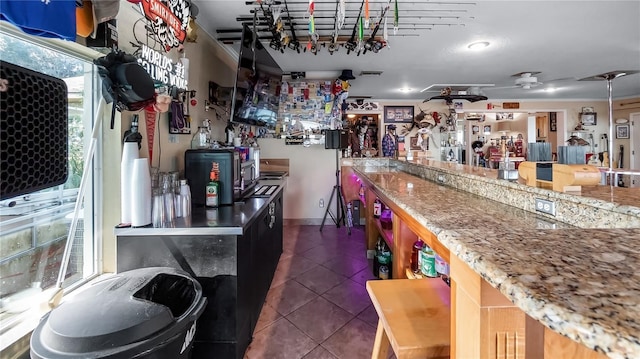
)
(224, 220)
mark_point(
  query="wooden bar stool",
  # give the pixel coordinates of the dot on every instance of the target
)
(414, 317)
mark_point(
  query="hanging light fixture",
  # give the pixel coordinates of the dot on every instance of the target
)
(609, 76)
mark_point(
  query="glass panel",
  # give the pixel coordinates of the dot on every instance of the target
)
(34, 227)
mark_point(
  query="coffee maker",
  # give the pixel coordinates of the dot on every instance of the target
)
(197, 167)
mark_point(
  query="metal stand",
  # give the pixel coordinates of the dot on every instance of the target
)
(340, 204)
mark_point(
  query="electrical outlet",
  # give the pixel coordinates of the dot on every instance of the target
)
(545, 206)
(321, 203)
(173, 138)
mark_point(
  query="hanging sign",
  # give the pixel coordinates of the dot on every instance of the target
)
(294, 140)
(169, 20)
(162, 68)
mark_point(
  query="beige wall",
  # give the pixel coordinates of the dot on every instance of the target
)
(208, 62)
(311, 178)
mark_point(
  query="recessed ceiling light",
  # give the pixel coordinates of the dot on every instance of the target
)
(405, 90)
(351, 115)
(478, 45)
(550, 89)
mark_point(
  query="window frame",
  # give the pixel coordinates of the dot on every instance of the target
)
(22, 324)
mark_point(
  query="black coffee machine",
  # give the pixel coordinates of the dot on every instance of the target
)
(197, 167)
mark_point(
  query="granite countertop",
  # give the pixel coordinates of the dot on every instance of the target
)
(582, 283)
(614, 196)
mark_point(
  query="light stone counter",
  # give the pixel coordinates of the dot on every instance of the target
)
(580, 282)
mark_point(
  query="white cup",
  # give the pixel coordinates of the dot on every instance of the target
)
(236, 142)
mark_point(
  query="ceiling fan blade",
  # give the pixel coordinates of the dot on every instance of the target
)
(561, 80)
(499, 87)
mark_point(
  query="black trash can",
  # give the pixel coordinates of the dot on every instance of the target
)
(145, 313)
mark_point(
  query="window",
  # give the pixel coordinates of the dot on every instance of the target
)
(34, 227)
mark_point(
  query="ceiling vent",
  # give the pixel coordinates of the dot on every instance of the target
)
(370, 73)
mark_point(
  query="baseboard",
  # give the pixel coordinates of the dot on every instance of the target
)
(305, 221)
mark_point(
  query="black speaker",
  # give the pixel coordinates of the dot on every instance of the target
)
(33, 141)
(336, 139)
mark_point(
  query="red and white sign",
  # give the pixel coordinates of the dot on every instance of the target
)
(169, 20)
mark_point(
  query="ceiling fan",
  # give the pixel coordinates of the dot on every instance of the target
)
(525, 80)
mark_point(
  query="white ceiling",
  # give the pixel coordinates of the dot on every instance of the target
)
(565, 40)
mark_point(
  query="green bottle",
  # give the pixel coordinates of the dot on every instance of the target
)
(213, 187)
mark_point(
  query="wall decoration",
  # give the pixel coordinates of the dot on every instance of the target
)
(308, 105)
(475, 129)
(358, 105)
(168, 19)
(588, 118)
(504, 116)
(162, 68)
(395, 114)
(588, 110)
(553, 122)
(622, 131)
(486, 129)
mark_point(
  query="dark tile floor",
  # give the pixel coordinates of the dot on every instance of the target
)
(317, 306)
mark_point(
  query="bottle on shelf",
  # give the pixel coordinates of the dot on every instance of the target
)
(428, 262)
(201, 139)
(379, 249)
(417, 247)
(213, 187)
(384, 259)
(383, 272)
(377, 208)
(230, 133)
(442, 268)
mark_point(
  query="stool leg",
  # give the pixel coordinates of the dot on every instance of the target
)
(381, 343)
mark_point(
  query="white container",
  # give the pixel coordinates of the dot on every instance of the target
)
(140, 193)
(129, 153)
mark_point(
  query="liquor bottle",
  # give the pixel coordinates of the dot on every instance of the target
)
(213, 187)
(377, 208)
(417, 247)
(428, 262)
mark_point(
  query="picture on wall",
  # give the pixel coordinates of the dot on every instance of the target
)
(588, 118)
(553, 122)
(504, 116)
(398, 114)
(622, 131)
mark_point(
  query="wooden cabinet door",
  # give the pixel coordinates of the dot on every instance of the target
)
(542, 126)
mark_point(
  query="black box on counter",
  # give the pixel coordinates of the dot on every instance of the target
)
(544, 171)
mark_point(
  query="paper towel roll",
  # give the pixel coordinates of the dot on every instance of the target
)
(140, 193)
(129, 153)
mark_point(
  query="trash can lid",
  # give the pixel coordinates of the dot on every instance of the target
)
(107, 315)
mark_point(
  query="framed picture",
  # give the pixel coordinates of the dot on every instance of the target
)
(475, 129)
(588, 118)
(622, 131)
(395, 114)
(553, 122)
(504, 116)
(486, 129)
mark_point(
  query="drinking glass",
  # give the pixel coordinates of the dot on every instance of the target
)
(157, 212)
